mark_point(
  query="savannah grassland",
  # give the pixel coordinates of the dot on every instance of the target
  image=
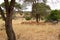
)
(45, 31)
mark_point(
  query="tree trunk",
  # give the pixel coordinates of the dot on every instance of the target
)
(37, 19)
(9, 29)
(8, 19)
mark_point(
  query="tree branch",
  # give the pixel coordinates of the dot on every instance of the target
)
(12, 4)
(6, 5)
(2, 14)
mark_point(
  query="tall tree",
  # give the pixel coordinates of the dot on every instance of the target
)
(34, 6)
(8, 18)
(41, 10)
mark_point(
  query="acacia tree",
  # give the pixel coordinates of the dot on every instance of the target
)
(8, 18)
(41, 10)
(34, 7)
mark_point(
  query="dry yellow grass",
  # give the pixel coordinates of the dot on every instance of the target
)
(32, 32)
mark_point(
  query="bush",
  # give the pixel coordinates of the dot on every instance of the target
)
(53, 16)
(28, 18)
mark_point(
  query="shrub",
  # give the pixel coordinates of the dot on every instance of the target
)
(28, 18)
(53, 16)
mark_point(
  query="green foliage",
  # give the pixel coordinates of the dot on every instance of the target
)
(42, 18)
(28, 18)
(53, 16)
(17, 5)
(40, 9)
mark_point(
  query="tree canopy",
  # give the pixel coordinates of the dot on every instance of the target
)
(40, 9)
(17, 5)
